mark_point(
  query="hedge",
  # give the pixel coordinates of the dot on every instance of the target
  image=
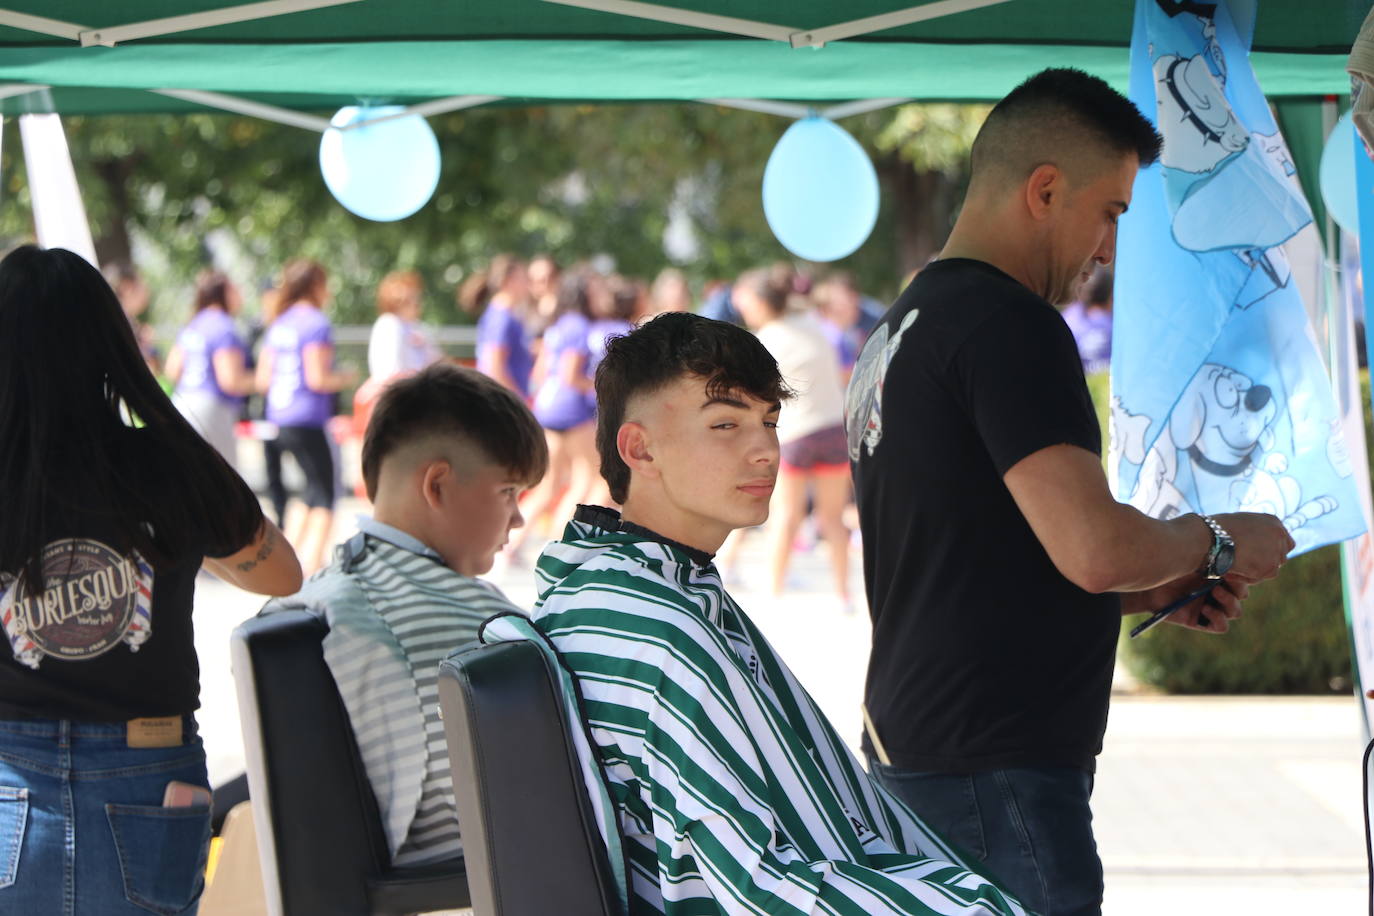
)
(1291, 639)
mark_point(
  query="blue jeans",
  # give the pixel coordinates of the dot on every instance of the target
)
(82, 827)
(1032, 827)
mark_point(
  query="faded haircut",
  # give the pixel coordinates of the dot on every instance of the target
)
(1061, 116)
(449, 400)
(659, 352)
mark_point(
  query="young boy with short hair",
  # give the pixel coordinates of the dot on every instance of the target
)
(445, 457)
(731, 791)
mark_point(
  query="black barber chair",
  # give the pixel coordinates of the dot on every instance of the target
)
(529, 833)
(320, 835)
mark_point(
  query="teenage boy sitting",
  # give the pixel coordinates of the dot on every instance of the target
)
(732, 792)
(445, 457)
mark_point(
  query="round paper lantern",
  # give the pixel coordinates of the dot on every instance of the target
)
(384, 171)
(820, 192)
(1338, 175)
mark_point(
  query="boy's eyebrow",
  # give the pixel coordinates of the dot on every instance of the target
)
(735, 402)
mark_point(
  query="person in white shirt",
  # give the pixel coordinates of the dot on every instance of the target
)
(399, 343)
(815, 456)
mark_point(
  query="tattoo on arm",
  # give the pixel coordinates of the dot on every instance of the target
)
(269, 543)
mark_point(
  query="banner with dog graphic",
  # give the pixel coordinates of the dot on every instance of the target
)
(1221, 401)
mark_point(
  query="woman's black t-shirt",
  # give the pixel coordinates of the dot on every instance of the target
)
(110, 637)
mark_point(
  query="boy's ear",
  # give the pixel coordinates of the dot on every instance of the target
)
(632, 442)
(435, 476)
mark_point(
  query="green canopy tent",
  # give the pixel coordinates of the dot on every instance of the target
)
(313, 56)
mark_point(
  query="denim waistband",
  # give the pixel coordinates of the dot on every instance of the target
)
(57, 728)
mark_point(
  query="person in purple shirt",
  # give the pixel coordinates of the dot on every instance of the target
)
(503, 348)
(1090, 320)
(561, 405)
(209, 365)
(296, 371)
(613, 308)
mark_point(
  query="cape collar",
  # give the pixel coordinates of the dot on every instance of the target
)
(610, 520)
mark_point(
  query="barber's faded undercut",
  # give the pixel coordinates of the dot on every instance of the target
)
(1061, 116)
(675, 344)
(449, 400)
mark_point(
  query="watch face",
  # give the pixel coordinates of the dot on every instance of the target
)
(1226, 556)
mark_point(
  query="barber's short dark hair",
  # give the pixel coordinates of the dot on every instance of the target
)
(445, 399)
(663, 350)
(1059, 109)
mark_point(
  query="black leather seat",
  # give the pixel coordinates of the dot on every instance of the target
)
(320, 834)
(529, 833)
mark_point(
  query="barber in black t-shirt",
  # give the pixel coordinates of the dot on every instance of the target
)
(996, 561)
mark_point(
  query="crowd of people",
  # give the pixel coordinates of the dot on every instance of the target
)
(541, 330)
(997, 564)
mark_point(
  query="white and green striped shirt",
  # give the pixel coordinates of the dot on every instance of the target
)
(733, 793)
(394, 610)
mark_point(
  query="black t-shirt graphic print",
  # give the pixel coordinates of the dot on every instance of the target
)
(93, 599)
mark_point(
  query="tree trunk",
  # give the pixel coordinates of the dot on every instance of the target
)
(923, 205)
(113, 244)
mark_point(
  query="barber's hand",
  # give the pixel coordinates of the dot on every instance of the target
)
(1262, 545)
(1212, 613)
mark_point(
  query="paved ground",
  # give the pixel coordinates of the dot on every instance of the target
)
(1203, 805)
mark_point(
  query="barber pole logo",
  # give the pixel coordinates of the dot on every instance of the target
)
(93, 599)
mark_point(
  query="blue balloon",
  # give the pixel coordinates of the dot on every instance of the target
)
(820, 192)
(1338, 175)
(384, 171)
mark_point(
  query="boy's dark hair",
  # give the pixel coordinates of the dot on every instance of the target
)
(444, 399)
(1051, 114)
(663, 350)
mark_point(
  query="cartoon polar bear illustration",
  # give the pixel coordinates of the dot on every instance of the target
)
(1220, 439)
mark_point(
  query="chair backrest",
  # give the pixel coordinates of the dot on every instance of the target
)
(529, 835)
(320, 834)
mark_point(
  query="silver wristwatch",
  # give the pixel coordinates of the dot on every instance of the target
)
(1222, 554)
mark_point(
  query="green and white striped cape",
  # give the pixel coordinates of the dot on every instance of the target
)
(732, 792)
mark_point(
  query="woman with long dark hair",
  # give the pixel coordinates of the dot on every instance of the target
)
(112, 504)
(296, 370)
(209, 365)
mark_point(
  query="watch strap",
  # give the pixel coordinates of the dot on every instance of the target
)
(1220, 539)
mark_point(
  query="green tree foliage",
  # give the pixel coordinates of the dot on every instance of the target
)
(575, 181)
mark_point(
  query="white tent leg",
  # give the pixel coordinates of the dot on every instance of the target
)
(58, 214)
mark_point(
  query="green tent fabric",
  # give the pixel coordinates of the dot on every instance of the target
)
(530, 51)
(1301, 121)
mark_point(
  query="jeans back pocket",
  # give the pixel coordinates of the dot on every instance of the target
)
(14, 815)
(162, 854)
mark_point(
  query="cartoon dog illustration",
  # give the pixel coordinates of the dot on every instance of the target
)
(1189, 92)
(1216, 452)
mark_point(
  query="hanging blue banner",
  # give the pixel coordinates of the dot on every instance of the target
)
(1221, 402)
